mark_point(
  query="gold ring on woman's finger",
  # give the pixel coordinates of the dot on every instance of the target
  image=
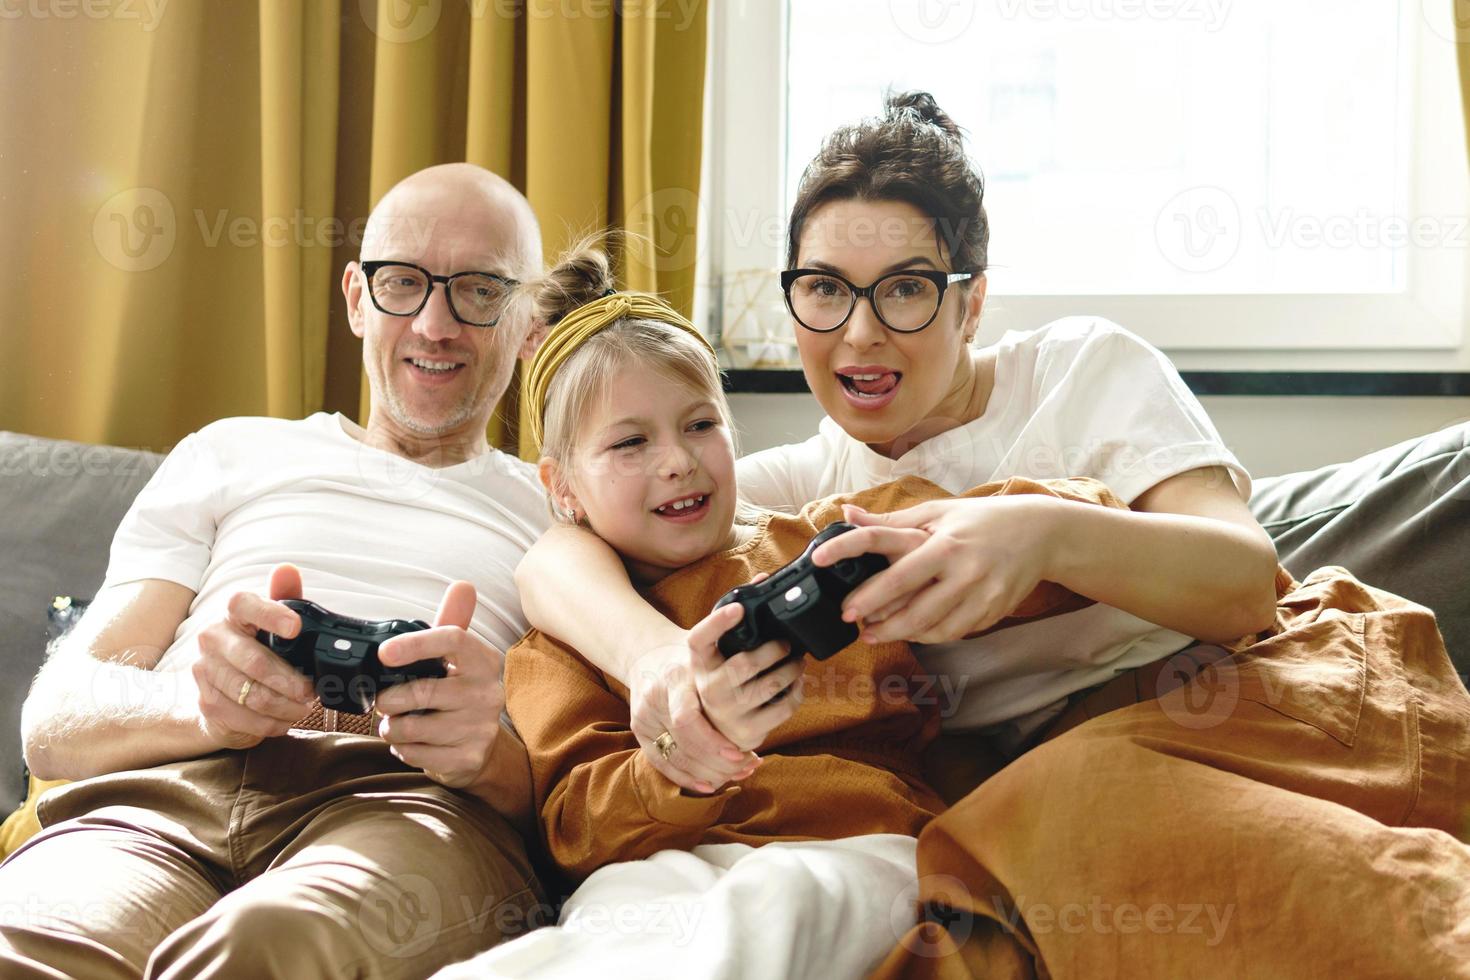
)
(244, 692)
(666, 745)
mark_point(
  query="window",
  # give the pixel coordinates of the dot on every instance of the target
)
(1212, 174)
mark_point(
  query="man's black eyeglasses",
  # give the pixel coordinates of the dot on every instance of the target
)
(476, 299)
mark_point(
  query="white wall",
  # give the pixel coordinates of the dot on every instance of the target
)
(1271, 435)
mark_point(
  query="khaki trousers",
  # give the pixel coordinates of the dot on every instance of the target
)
(1296, 806)
(311, 855)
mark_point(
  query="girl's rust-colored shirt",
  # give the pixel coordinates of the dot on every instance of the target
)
(848, 762)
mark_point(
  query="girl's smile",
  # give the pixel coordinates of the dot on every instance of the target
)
(654, 472)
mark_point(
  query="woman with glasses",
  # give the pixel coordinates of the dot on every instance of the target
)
(1160, 740)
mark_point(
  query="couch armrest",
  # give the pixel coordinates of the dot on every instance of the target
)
(1398, 519)
(60, 503)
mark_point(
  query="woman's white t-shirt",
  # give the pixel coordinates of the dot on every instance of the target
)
(1078, 397)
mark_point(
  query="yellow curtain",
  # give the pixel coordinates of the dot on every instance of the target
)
(182, 188)
(1461, 19)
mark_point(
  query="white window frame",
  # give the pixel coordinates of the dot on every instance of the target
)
(746, 210)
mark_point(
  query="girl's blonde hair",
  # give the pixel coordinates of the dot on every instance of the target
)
(585, 274)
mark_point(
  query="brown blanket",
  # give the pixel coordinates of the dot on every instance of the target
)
(1295, 806)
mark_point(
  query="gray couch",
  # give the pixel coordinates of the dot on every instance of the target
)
(1399, 518)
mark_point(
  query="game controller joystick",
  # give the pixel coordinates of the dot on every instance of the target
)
(340, 655)
(801, 603)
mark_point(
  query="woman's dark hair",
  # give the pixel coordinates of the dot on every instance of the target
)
(914, 153)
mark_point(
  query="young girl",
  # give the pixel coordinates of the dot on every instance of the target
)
(804, 868)
(1311, 790)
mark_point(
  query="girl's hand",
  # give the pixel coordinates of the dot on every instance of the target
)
(751, 693)
(958, 566)
(662, 698)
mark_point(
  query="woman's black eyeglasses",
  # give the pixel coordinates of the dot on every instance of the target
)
(906, 301)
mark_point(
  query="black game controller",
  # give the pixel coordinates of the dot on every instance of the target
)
(340, 655)
(801, 603)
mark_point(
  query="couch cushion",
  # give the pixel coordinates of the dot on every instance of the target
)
(1398, 519)
(59, 505)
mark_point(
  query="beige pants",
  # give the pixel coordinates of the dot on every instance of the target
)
(311, 855)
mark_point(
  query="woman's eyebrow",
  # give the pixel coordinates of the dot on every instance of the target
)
(895, 267)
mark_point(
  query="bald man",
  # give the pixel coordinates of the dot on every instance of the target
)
(221, 823)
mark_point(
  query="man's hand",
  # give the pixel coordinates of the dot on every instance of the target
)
(246, 693)
(452, 741)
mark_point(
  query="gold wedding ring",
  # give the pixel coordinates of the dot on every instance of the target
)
(244, 692)
(665, 744)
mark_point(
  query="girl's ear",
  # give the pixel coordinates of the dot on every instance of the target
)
(559, 489)
(534, 338)
(974, 303)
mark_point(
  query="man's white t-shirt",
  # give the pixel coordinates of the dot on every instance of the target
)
(375, 535)
(1078, 397)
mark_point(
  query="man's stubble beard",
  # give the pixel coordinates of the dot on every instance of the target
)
(469, 405)
(461, 414)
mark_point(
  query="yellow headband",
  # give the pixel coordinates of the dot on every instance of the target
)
(580, 326)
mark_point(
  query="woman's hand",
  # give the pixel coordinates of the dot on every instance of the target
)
(958, 566)
(662, 697)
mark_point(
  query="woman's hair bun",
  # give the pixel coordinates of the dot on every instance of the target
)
(923, 106)
(913, 153)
